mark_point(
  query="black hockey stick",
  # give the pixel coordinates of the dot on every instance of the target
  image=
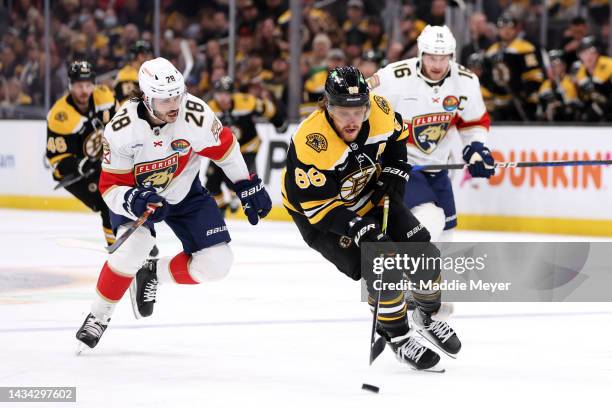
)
(75, 179)
(377, 346)
(141, 220)
(503, 165)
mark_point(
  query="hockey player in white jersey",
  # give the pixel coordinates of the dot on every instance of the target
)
(438, 99)
(152, 150)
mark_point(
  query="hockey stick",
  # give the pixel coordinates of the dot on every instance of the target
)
(141, 220)
(503, 165)
(70, 181)
(377, 346)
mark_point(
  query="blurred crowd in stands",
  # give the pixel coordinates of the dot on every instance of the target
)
(570, 80)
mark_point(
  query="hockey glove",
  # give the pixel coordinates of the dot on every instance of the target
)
(479, 159)
(138, 200)
(366, 229)
(392, 182)
(254, 198)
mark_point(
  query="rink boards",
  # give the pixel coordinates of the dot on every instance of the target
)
(563, 200)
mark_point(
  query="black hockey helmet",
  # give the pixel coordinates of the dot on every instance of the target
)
(224, 84)
(556, 55)
(346, 86)
(507, 19)
(81, 71)
(140, 47)
(475, 60)
(586, 43)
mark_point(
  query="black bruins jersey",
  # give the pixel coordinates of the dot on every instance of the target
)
(126, 83)
(514, 70)
(559, 101)
(596, 90)
(72, 135)
(240, 118)
(327, 180)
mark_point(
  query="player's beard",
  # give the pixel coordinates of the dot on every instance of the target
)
(349, 133)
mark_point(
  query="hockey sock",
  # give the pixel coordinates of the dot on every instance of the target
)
(111, 287)
(175, 270)
(392, 315)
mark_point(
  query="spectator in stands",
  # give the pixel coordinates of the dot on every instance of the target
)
(356, 26)
(377, 39)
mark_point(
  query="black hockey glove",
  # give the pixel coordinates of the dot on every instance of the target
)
(254, 198)
(138, 200)
(366, 229)
(479, 159)
(392, 182)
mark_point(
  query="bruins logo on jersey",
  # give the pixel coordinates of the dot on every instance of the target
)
(92, 147)
(429, 130)
(382, 104)
(317, 142)
(157, 174)
(354, 183)
(61, 116)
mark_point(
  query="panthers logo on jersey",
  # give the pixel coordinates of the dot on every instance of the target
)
(429, 130)
(157, 174)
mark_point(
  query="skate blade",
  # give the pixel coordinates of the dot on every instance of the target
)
(133, 299)
(424, 335)
(430, 370)
(80, 347)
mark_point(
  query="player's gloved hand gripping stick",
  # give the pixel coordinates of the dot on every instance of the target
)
(144, 203)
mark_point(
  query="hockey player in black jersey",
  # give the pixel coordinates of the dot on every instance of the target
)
(75, 125)
(342, 160)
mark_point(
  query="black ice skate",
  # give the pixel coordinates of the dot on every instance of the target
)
(408, 350)
(143, 289)
(91, 331)
(438, 332)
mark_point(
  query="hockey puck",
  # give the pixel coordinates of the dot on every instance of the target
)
(370, 387)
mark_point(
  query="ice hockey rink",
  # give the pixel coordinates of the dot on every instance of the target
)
(284, 329)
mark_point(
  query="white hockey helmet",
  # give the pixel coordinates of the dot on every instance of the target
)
(436, 40)
(159, 79)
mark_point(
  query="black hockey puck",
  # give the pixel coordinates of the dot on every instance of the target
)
(370, 387)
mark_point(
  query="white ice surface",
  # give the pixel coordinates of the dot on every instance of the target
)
(284, 329)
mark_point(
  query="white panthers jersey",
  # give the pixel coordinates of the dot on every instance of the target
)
(166, 158)
(434, 113)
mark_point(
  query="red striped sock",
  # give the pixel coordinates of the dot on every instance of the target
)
(111, 285)
(179, 269)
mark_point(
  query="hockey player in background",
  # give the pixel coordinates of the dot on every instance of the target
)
(438, 100)
(594, 79)
(332, 187)
(515, 73)
(238, 111)
(75, 125)
(126, 82)
(152, 152)
(558, 94)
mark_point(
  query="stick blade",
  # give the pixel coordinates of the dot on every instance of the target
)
(377, 348)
